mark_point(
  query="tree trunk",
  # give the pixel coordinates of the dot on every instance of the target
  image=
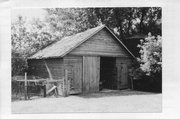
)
(143, 13)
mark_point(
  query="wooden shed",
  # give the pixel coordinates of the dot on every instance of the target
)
(94, 59)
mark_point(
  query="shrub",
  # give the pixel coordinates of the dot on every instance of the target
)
(150, 69)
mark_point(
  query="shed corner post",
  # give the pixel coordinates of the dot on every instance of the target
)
(83, 76)
(25, 86)
(65, 84)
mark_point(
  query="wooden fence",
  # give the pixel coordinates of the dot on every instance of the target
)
(60, 87)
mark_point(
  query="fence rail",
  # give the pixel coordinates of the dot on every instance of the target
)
(27, 84)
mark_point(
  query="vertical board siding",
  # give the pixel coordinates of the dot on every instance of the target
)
(74, 66)
(123, 64)
(91, 74)
(124, 78)
(38, 68)
(56, 68)
(101, 44)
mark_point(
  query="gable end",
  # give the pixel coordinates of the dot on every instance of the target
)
(102, 43)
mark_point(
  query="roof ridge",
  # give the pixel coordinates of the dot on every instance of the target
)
(62, 47)
(98, 29)
(63, 38)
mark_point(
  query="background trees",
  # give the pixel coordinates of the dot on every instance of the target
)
(69, 21)
(126, 22)
(26, 38)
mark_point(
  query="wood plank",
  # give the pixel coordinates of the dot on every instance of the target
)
(51, 89)
(122, 65)
(97, 64)
(25, 86)
(65, 84)
(39, 68)
(124, 78)
(91, 74)
(85, 81)
(98, 53)
(74, 66)
(103, 43)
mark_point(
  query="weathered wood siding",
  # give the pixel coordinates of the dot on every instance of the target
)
(74, 66)
(123, 65)
(91, 74)
(101, 44)
(38, 67)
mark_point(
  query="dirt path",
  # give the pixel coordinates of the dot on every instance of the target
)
(114, 101)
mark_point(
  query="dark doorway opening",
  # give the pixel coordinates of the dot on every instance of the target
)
(108, 73)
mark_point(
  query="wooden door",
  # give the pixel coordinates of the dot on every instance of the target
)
(124, 76)
(74, 67)
(91, 74)
(122, 81)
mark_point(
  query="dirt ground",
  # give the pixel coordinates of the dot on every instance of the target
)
(105, 101)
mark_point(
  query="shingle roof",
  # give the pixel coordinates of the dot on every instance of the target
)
(67, 44)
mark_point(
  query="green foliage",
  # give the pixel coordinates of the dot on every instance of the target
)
(151, 55)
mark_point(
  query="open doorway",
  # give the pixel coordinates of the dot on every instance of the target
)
(108, 73)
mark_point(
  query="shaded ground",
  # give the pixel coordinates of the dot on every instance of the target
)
(105, 101)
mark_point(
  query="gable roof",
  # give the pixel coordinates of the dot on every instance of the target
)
(67, 44)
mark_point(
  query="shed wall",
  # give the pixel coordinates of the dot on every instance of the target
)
(74, 66)
(101, 44)
(38, 67)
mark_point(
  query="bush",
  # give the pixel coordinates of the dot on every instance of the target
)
(149, 71)
(19, 64)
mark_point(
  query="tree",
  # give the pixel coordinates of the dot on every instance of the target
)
(151, 56)
(149, 20)
(149, 72)
(129, 21)
(18, 36)
(118, 19)
(124, 22)
(27, 37)
(68, 21)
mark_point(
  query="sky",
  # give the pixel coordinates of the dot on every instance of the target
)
(29, 13)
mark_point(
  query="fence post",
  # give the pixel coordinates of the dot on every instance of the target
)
(44, 88)
(25, 86)
(132, 83)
